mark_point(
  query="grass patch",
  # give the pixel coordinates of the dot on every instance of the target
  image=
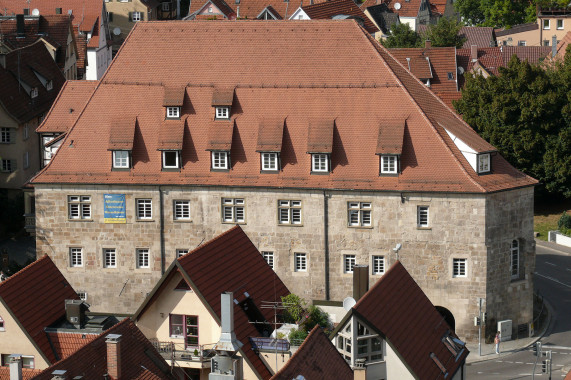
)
(547, 215)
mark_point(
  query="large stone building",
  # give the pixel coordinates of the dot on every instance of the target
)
(277, 127)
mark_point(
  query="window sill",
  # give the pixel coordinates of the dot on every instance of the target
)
(319, 173)
(234, 223)
(515, 280)
(289, 225)
(114, 169)
(361, 227)
(270, 171)
(182, 221)
(388, 174)
(300, 274)
(219, 170)
(424, 228)
(172, 118)
(80, 220)
(171, 169)
(378, 274)
(145, 220)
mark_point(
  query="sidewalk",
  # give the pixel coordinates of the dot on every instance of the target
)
(550, 245)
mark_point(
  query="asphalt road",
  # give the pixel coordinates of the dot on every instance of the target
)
(553, 281)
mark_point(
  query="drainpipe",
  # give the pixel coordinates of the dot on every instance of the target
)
(162, 226)
(326, 241)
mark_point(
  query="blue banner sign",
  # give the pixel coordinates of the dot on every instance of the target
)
(114, 208)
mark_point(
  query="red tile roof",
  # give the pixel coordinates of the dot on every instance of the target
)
(66, 343)
(250, 9)
(174, 96)
(68, 106)
(407, 8)
(270, 135)
(320, 137)
(36, 298)
(401, 313)
(122, 134)
(171, 135)
(139, 359)
(477, 35)
(316, 358)
(562, 45)
(27, 374)
(516, 29)
(324, 83)
(391, 136)
(332, 8)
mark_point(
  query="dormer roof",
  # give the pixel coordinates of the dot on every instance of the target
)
(320, 139)
(174, 96)
(222, 97)
(220, 135)
(270, 134)
(171, 135)
(336, 9)
(122, 134)
(391, 136)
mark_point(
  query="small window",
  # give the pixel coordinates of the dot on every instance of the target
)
(185, 327)
(484, 163)
(546, 24)
(320, 163)
(171, 159)
(137, 16)
(49, 85)
(459, 267)
(269, 257)
(450, 76)
(289, 212)
(2, 328)
(300, 262)
(270, 161)
(545, 42)
(34, 93)
(378, 266)
(233, 210)
(166, 7)
(181, 252)
(109, 258)
(559, 24)
(26, 11)
(389, 164)
(220, 160)
(27, 361)
(121, 159)
(58, 11)
(359, 214)
(144, 209)
(173, 112)
(142, 258)
(82, 295)
(182, 210)
(210, 9)
(5, 135)
(79, 206)
(514, 259)
(521, 43)
(348, 263)
(76, 257)
(222, 113)
(7, 166)
(422, 216)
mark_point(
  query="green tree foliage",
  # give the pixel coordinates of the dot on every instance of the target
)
(316, 317)
(445, 33)
(525, 113)
(402, 36)
(294, 308)
(564, 224)
(297, 336)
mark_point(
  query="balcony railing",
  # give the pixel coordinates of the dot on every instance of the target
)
(177, 351)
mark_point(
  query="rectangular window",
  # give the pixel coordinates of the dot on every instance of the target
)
(220, 160)
(182, 210)
(170, 159)
(7, 166)
(289, 212)
(521, 43)
(5, 135)
(559, 24)
(422, 216)
(166, 7)
(79, 206)
(181, 252)
(34, 93)
(144, 209)
(546, 24)
(137, 16)
(545, 42)
(222, 112)
(378, 266)
(388, 164)
(26, 160)
(75, 257)
(459, 267)
(82, 295)
(121, 159)
(269, 161)
(173, 112)
(269, 257)
(514, 259)
(27, 361)
(484, 163)
(109, 258)
(233, 210)
(348, 263)
(142, 258)
(319, 163)
(300, 262)
(49, 85)
(186, 327)
(58, 10)
(359, 214)
(2, 325)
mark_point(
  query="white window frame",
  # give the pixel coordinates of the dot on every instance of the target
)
(459, 267)
(137, 16)
(75, 257)
(349, 262)
(422, 216)
(5, 135)
(34, 92)
(220, 160)
(177, 160)
(560, 20)
(143, 258)
(166, 6)
(389, 164)
(300, 262)
(181, 209)
(269, 257)
(233, 210)
(173, 112)
(359, 214)
(378, 265)
(223, 113)
(269, 161)
(26, 131)
(144, 208)
(514, 259)
(289, 212)
(121, 159)
(546, 24)
(181, 252)
(79, 207)
(49, 85)
(109, 258)
(82, 294)
(6, 166)
(484, 163)
(320, 162)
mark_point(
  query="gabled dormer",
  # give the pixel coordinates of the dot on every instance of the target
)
(171, 134)
(389, 147)
(173, 101)
(222, 100)
(270, 136)
(121, 137)
(477, 151)
(320, 145)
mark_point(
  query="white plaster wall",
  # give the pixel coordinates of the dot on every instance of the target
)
(396, 370)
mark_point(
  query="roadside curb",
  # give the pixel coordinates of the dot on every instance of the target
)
(553, 246)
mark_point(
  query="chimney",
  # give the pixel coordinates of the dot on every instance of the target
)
(16, 367)
(228, 341)
(75, 312)
(113, 342)
(474, 52)
(360, 281)
(427, 44)
(359, 371)
(59, 374)
(20, 26)
(553, 46)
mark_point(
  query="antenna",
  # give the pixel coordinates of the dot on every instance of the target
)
(275, 305)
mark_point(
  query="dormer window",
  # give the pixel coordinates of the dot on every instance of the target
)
(484, 163)
(173, 112)
(389, 164)
(223, 113)
(34, 92)
(320, 162)
(121, 159)
(49, 85)
(220, 160)
(270, 162)
(171, 159)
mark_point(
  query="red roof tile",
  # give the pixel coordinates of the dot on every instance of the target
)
(270, 135)
(36, 297)
(171, 135)
(316, 358)
(251, 9)
(562, 45)
(477, 35)
(122, 134)
(222, 97)
(174, 96)
(391, 136)
(27, 374)
(66, 343)
(320, 138)
(401, 313)
(332, 8)
(326, 82)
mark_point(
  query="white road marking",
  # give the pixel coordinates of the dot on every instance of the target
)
(559, 365)
(567, 269)
(553, 279)
(529, 363)
(518, 362)
(548, 263)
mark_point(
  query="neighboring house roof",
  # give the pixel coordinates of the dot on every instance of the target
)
(139, 359)
(251, 9)
(382, 16)
(408, 8)
(27, 374)
(516, 29)
(35, 297)
(326, 85)
(399, 311)
(66, 343)
(219, 266)
(316, 358)
(479, 36)
(67, 107)
(330, 9)
(562, 45)
(438, 6)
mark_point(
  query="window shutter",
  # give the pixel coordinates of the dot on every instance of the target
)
(130, 16)
(110, 17)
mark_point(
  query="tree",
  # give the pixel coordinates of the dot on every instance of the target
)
(402, 36)
(445, 33)
(525, 113)
(294, 308)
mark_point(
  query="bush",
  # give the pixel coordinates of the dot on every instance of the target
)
(316, 317)
(564, 224)
(294, 307)
(296, 337)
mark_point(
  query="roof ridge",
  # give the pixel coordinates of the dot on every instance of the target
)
(26, 268)
(211, 241)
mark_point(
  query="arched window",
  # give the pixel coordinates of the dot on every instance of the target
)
(514, 259)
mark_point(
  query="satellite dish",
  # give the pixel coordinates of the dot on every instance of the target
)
(36, 12)
(117, 31)
(348, 303)
(397, 6)
(460, 70)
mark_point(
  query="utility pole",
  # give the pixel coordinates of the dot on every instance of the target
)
(480, 301)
